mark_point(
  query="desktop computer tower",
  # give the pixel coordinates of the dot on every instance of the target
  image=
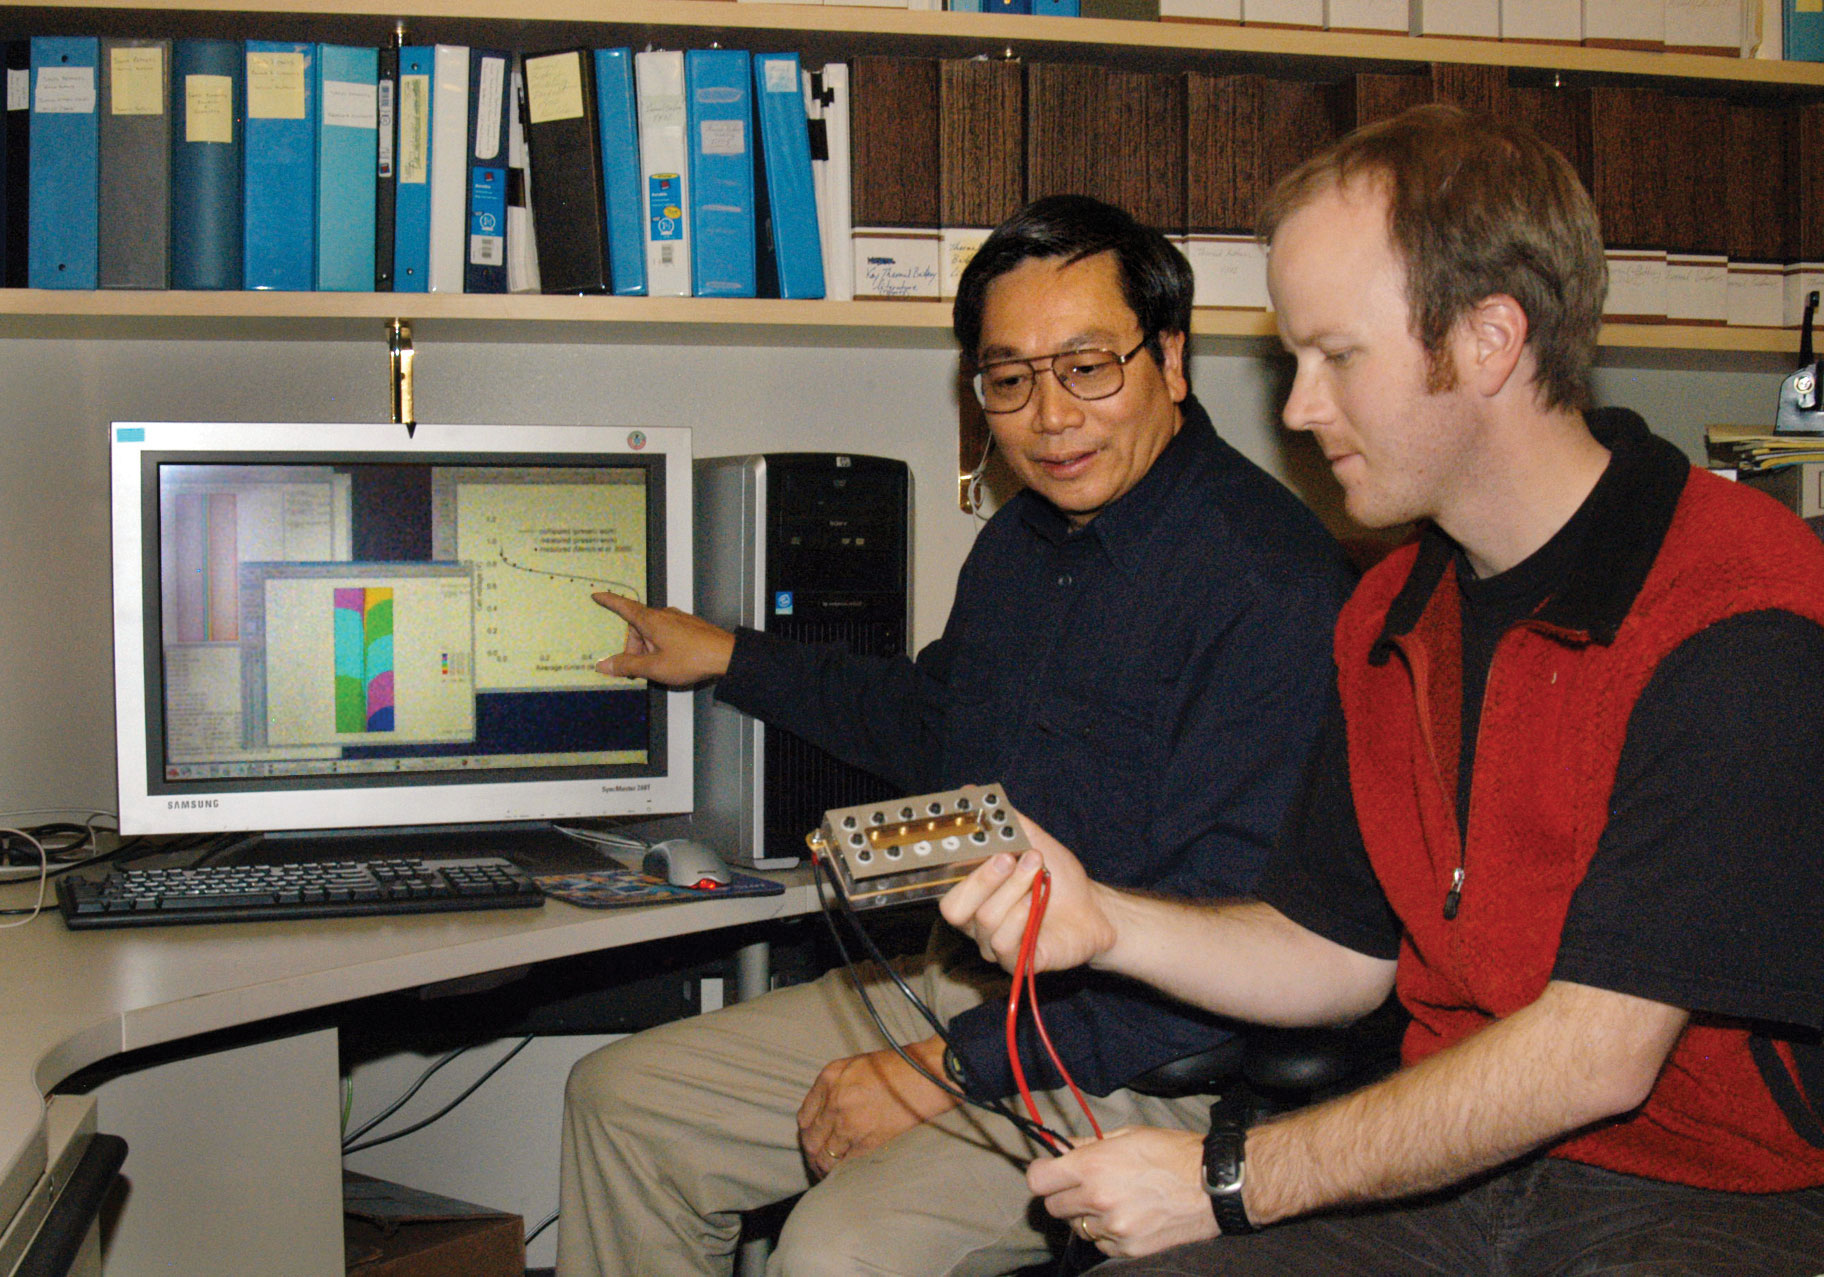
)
(815, 546)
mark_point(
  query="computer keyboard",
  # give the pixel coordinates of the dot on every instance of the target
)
(268, 893)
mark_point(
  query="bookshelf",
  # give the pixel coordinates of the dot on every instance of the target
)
(820, 32)
(913, 325)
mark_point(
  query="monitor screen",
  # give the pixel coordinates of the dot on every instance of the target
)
(339, 626)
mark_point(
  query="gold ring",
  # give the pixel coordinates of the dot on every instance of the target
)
(1082, 1225)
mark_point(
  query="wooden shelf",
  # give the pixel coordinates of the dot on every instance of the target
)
(818, 30)
(645, 320)
(833, 29)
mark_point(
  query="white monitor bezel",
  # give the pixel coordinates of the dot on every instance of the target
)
(207, 810)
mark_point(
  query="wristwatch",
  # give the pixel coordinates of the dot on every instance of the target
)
(1225, 1169)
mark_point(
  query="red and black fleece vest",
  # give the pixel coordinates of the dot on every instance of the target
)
(1685, 550)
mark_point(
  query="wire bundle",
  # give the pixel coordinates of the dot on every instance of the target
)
(1029, 1123)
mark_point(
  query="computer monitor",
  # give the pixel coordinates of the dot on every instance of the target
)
(328, 627)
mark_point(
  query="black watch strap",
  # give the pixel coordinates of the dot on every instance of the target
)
(1225, 1170)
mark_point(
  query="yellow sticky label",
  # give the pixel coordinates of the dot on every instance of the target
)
(275, 86)
(137, 81)
(1808, 6)
(209, 109)
(554, 88)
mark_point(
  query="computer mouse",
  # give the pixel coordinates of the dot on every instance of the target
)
(684, 863)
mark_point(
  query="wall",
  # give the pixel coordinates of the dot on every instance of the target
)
(56, 732)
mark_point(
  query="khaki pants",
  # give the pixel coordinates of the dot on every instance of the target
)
(670, 1134)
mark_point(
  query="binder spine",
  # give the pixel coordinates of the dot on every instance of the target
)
(386, 103)
(449, 167)
(720, 120)
(835, 217)
(485, 263)
(664, 197)
(280, 166)
(412, 167)
(134, 225)
(621, 170)
(785, 150)
(16, 173)
(65, 164)
(208, 105)
(566, 158)
(347, 166)
(522, 243)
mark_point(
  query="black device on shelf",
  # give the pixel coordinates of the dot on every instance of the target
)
(272, 892)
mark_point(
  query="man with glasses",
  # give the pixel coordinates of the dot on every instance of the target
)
(1561, 810)
(1139, 649)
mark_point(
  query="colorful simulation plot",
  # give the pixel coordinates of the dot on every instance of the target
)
(364, 659)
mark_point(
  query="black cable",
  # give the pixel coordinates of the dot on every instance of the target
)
(880, 959)
(403, 1100)
(420, 1125)
(1025, 1125)
(543, 1224)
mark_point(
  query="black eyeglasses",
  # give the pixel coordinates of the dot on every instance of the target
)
(1006, 386)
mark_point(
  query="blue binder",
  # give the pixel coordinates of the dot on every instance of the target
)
(794, 245)
(412, 166)
(279, 190)
(1804, 32)
(64, 245)
(348, 139)
(490, 102)
(1006, 6)
(719, 124)
(206, 175)
(620, 130)
(1055, 8)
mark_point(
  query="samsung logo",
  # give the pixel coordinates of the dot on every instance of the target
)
(191, 804)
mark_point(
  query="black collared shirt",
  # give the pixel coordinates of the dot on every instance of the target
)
(1146, 687)
(1704, 889)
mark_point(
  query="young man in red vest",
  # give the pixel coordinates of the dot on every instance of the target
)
(1572, 811)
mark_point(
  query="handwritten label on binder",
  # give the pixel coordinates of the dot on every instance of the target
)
(209, 109)
(554, 88)
(136, 81)
(349, 105)
(65, 91)
(275, 86)
(19, 90)
(724, 137)
(493, 83)
(415, 129)
(781, 75)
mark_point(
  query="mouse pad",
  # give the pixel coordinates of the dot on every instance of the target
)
(612, 888)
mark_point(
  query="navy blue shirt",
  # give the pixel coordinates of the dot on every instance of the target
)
(1147, 688)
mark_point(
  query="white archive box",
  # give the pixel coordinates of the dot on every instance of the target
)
(1391, 16)
(1471, 19)
(1542, 21)
(1625, 24)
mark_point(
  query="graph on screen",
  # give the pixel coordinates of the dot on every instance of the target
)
(364, 659)
(541, 550)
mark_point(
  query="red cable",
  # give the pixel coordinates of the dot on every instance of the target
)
(1024, 974)
(1041, 899)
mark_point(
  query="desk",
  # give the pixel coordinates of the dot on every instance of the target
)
(75, 998)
